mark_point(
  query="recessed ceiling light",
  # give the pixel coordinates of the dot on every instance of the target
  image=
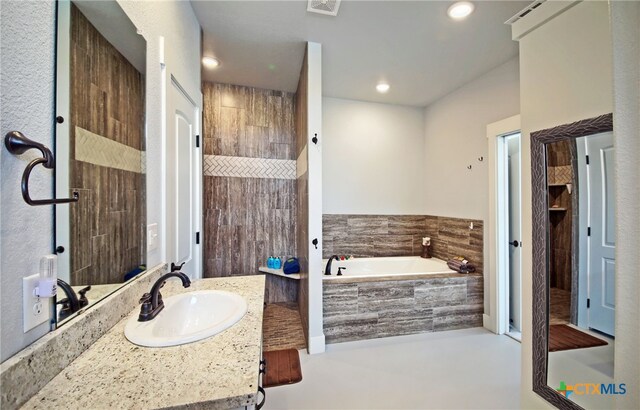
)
(382, 87)
(460, 10)
(210, 62)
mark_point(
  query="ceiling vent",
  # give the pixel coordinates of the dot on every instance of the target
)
(525, 11)
(326, 7)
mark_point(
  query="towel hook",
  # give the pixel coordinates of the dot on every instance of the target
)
(468, 166)
(480, 159)
(18, 144)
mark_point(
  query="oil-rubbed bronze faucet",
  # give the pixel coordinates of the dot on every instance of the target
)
(327, 270)
(152, 302)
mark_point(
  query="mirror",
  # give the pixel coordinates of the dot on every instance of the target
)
(574, 264)
(100, 151)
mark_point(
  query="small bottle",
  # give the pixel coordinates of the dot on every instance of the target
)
(270, 262)
(277, 263)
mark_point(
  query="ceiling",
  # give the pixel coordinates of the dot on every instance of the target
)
(414, 46)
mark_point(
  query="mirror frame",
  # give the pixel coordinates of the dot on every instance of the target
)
(540, 221)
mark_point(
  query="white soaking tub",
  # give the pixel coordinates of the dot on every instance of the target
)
(386, 267)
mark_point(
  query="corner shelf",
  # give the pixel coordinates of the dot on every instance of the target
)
(557, 209)
(279, 272)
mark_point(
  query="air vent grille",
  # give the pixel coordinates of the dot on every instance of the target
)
(326, 7)
(525, 11)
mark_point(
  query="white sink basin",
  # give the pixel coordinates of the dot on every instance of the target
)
(187, 318)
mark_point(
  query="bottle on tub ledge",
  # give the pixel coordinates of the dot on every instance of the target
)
(426, 247)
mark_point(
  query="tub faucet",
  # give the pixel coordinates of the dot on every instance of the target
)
(327, 270)
(152, 302)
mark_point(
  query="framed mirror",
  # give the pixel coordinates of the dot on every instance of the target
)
(574, 264)
(100, 152)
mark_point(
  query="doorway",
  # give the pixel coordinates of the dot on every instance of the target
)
(505, 241)
(596, 233)
(184, 174)
(512, 220)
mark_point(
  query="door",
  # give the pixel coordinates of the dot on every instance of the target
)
(515, 250)
(602, 238)
(183, 162)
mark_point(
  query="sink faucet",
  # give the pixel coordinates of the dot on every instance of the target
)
(327, 270)
(152, 302)
(71, 303)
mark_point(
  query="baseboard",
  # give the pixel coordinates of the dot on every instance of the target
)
(316, 344)
(488, 323)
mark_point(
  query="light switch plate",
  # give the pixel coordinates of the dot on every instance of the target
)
(35, 310)
(152, 237)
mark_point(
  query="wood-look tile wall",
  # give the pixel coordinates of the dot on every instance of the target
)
(372, 309)
(559, 162)
(302, 185)
(401, 235)
(247, 219)
(107, 98)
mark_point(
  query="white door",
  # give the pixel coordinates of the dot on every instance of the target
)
(603, 233)
(515, 250)
(183, 162)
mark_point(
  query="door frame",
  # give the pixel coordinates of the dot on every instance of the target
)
(497, 318)
(197, 179)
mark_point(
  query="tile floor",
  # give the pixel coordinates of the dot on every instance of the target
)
(282, 328)
(458, 369)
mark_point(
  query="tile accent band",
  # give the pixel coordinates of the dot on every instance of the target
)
(246, 167)
(98, 150)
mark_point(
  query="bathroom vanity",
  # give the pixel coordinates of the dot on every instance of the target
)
(219, 372)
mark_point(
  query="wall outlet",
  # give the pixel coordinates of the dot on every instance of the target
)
(35, 310)
(152, 237)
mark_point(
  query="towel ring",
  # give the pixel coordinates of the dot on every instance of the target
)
(18, 144)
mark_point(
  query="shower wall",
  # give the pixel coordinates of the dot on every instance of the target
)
(106, 141)
(249, 180)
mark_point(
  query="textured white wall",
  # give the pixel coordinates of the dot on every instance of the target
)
(625, 22)
(455, 129)
(455, 136)
(176, 22)
(27, 84)
(372, 158)
(27, 105)
(565, 76)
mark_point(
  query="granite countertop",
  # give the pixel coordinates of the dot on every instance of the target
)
(219, 372)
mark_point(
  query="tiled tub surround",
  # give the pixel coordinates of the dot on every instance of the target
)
(367, 308)
(401, 235)
(219, 372)
(24, 374)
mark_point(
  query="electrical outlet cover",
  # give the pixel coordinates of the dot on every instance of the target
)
(35, 310)
(152, 237)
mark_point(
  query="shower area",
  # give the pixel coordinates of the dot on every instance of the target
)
(255, 202)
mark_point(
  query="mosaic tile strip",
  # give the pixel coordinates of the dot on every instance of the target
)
(562, 174)
(245, 167)
(98, 150)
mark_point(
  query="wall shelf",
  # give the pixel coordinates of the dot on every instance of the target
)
(557, 209)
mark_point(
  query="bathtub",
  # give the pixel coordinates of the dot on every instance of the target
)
(386, 267)
(395, 296)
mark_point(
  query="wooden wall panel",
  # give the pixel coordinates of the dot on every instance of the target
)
(107, 98)
(246, 220)
(560, 172)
